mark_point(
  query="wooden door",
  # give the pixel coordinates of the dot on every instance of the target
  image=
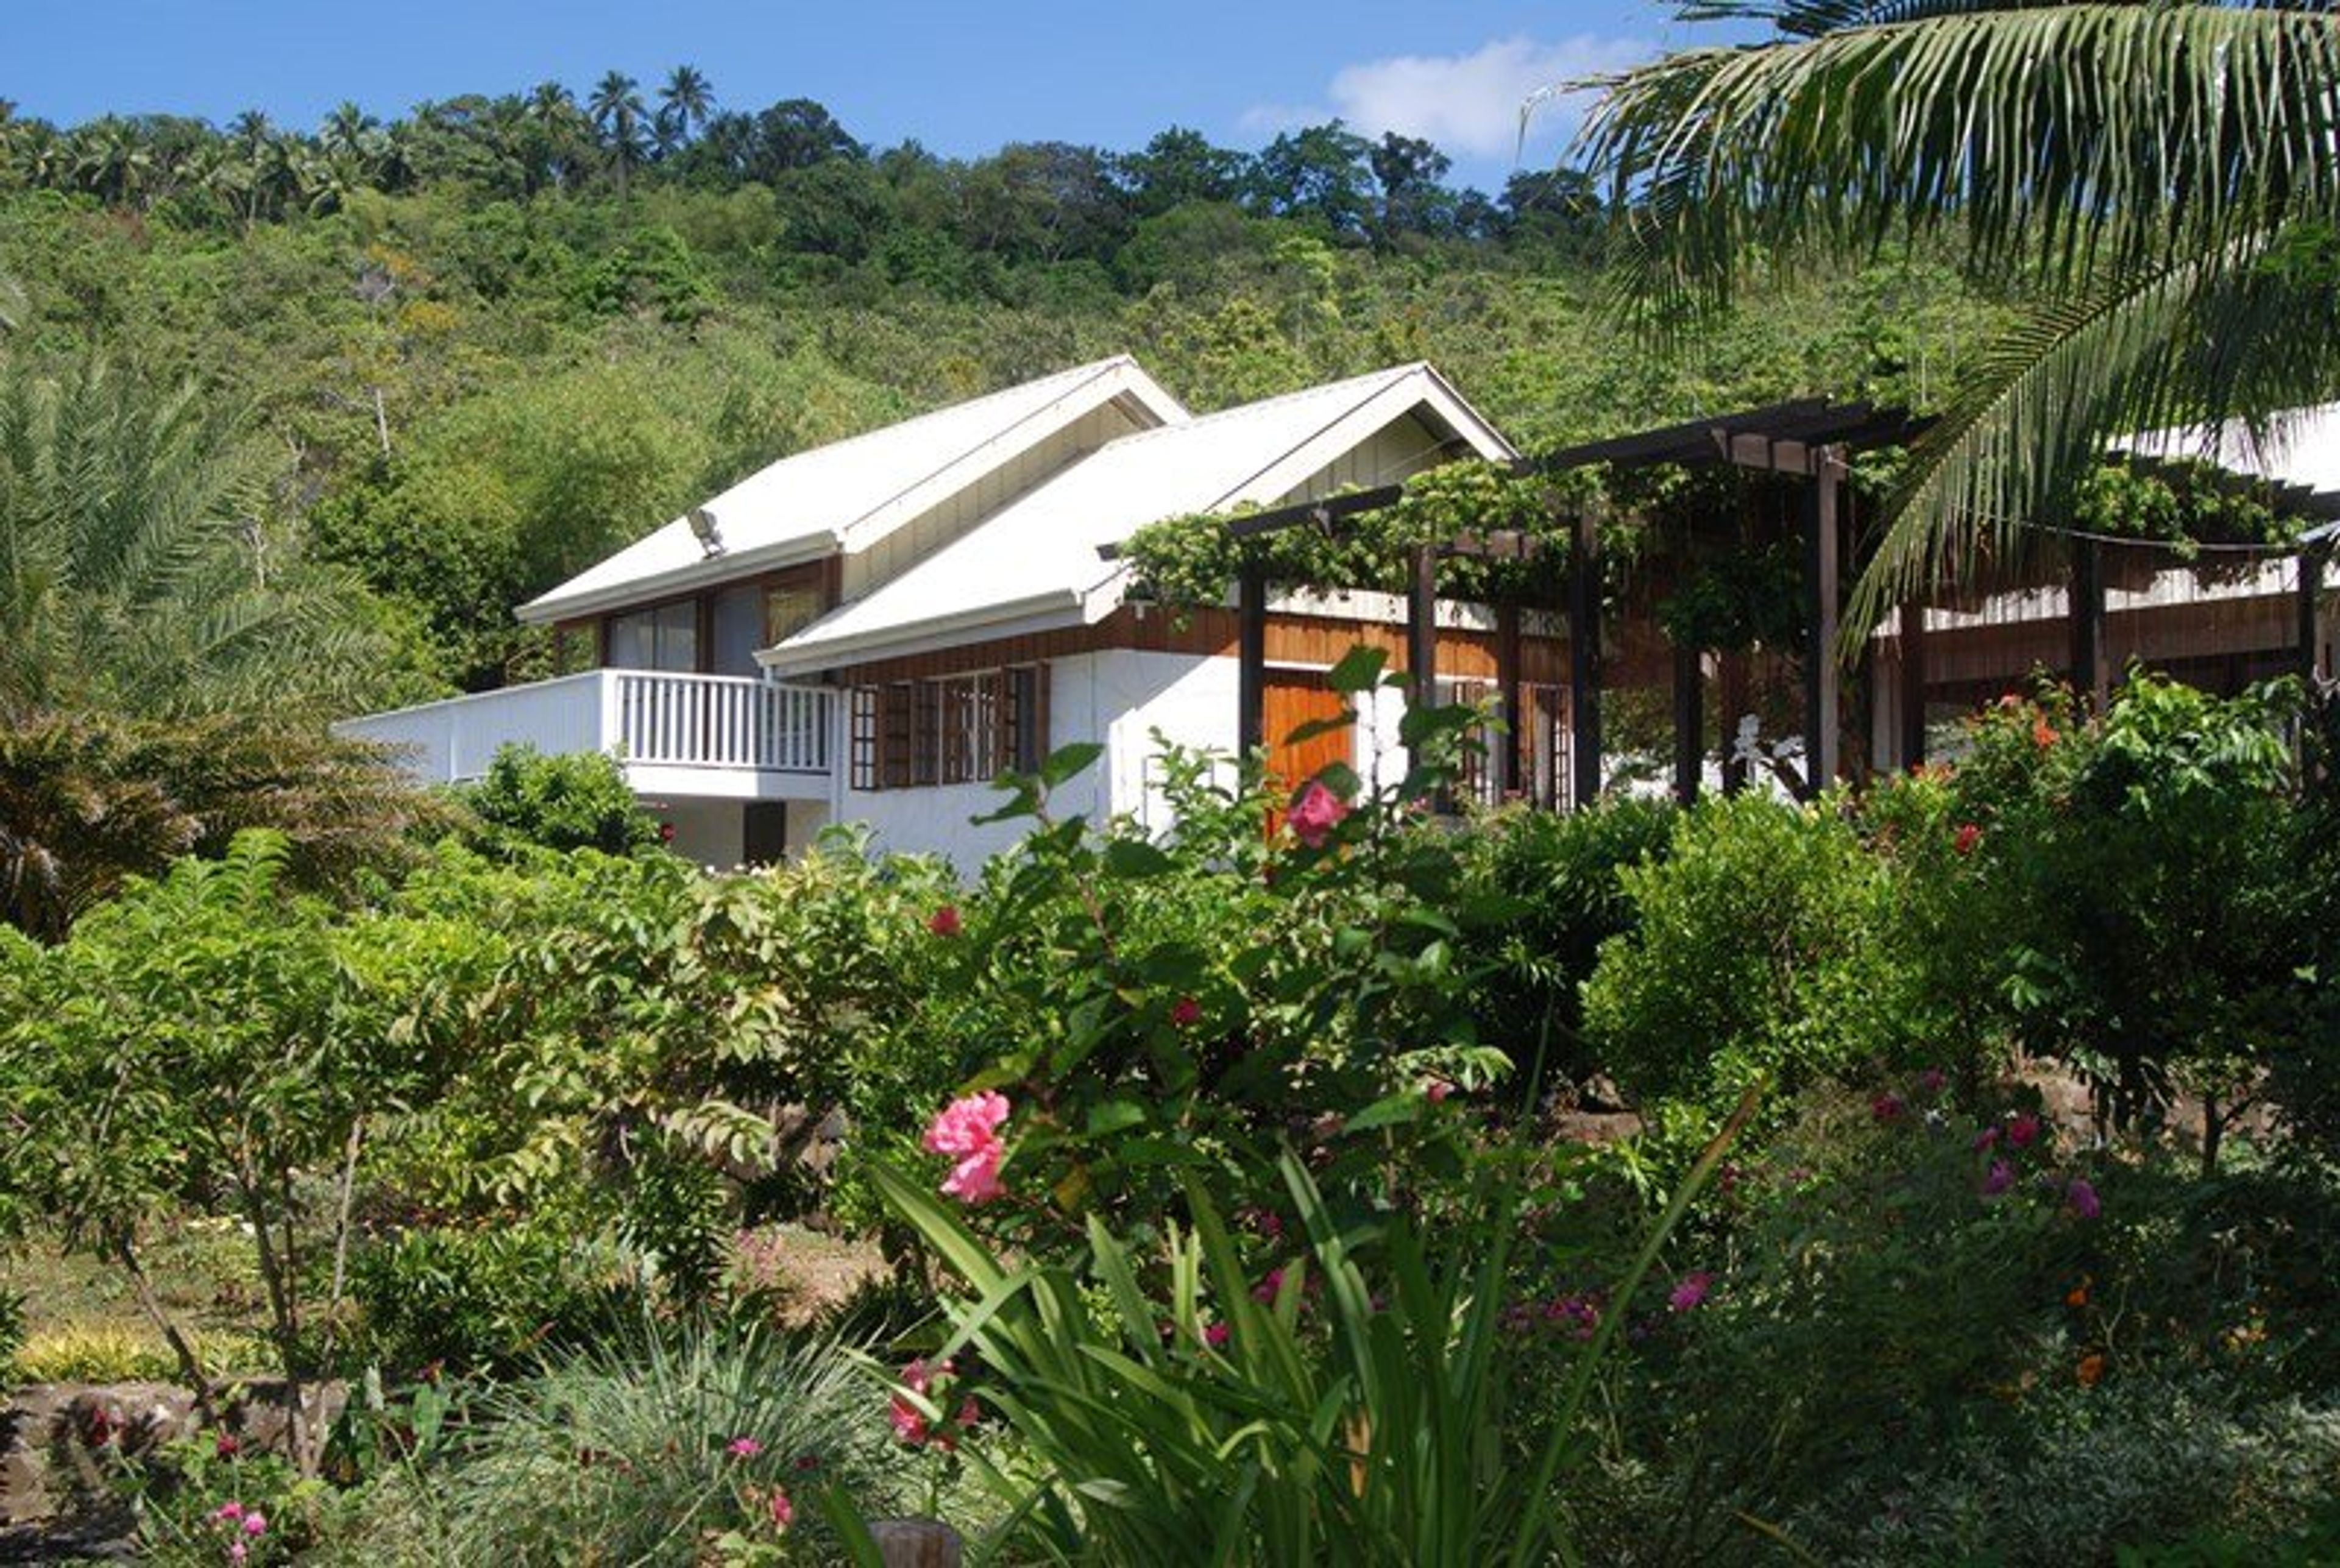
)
(1293, 700)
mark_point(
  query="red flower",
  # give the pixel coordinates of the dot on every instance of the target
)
(2043, 734)
(2023, 1130)
(1969, 835)
(1886, 1108)
(1315, 814)
(666, 832)
(944, 922)
(1186, 1013)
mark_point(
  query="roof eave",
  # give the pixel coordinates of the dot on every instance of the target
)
(976, 624)
(715, 569)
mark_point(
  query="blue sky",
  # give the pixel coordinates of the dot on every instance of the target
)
(963, 78)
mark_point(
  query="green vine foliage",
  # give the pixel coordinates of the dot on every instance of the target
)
(1188, 561)
(2184, 504)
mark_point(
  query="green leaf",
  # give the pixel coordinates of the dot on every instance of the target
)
(1068, 761)
(1135, 859)
(1115, 1116)
(1359, 669)
(1391, 1110)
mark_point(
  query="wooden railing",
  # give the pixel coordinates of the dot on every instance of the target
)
(722, 721)
(650, 717)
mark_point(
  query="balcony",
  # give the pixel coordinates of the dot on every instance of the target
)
(721, 737)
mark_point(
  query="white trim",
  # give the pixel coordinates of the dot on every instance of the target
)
(714, 571)
(1054, 610)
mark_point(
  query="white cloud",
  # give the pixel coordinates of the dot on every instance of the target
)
(1467, 103)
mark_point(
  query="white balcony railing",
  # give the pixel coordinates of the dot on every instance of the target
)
(725, 724)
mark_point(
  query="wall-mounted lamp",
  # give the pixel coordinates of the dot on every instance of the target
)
(710, 537)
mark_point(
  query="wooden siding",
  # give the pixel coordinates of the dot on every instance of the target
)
(1306, 641)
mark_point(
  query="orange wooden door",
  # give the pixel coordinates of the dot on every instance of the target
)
(1290, 701)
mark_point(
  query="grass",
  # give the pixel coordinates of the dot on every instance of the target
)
(82, 1324)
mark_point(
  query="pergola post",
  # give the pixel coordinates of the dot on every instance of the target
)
(1732, 685)
(2312, 559)
(1584, 660)
(1251, 659)
(1507, 691)
(2089, 672)
(1690, 722)
(1823, 678)
(1910, 749)
(1421, 636)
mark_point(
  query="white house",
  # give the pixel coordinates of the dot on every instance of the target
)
(871, 631)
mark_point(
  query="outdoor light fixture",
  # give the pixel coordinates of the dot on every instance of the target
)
(710, 538)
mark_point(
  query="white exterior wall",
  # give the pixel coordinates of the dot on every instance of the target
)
(710, 833)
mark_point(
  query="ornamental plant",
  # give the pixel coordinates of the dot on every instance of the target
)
(1357, 1407)
(1164, 1009)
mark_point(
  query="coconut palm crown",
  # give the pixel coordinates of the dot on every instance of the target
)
(2158, 183)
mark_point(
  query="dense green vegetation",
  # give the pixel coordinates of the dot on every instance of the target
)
(1939, 1171)
(501, 338)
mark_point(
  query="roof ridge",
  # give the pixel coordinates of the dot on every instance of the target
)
(1388, 373)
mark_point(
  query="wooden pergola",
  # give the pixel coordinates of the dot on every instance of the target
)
(1807, 442)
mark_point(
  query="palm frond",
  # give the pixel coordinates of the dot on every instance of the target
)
(2201, 341)
(2072, 138)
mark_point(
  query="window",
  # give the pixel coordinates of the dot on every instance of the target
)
(788, 609)
(739, 626)
(949, 729)
(665, 637)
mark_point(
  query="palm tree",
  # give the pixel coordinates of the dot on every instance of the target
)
(684, 104)
(348, 131)
(616, 108)
(136, 574)
(111, 160)
(2161, 182)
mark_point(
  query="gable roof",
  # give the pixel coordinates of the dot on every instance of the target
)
(850, 493)
(1035, 562)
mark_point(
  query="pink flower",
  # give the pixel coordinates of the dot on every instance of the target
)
(784, 1513)
(975, 1178)
(1186, 1013)
(1216, 1335)
(1886, 1108)
(968, 1123)
(2023, 1130)
(969, 1413)
(2083, 1198)
(225, 1446)
(944, 922)
(255, 1522)
(1437, 1089)
(1315, 814)
(1998, 1180)
(228, 1511)
(1987, 1138)
(743, 1448)
(235, 1552)
(1269, 1287)
(1970, 836)
(968, 1129)
(1692, 1290)
(1930, 1081)
(909, 1425)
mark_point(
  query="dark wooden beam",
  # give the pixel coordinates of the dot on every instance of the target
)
(1911, 747)
(1584, 660)
(1823, 676)
(1512, 744)
(1421, 632)
(2090, 673)
(2312, 560)
(1251, 659)
(1690, 722)
(1732, 689)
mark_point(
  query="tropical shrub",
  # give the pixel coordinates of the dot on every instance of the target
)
(1114, 984)
(1547, 886)
(492, 1300)
(2153, 912)
(1761, 949)
(577, 800)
